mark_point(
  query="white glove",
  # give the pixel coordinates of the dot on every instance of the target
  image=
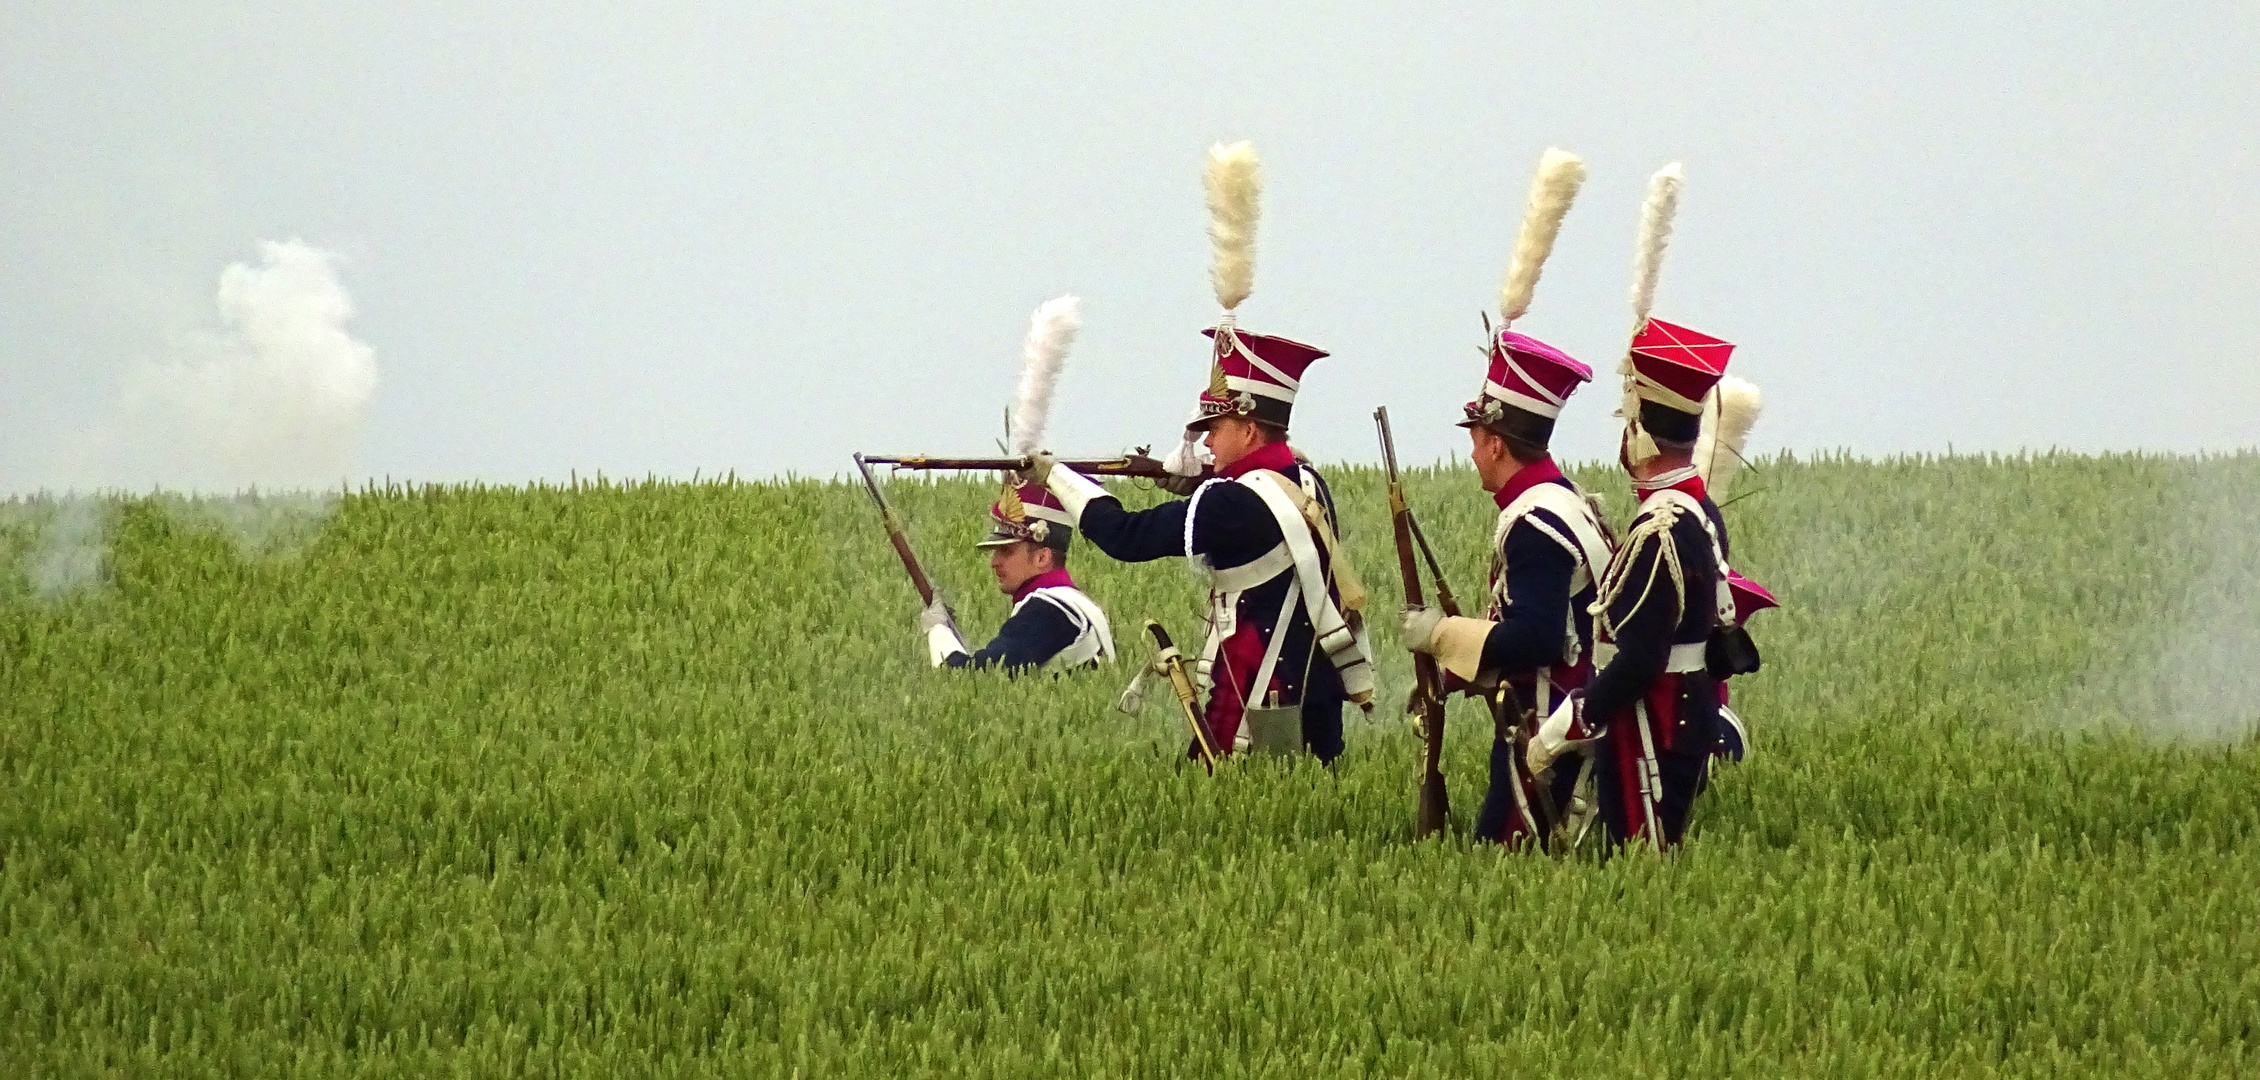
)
(938, 623)
(1553, 735)
(1186, 460)
(936, 614)
(1420, 628)
(1134, 695)
(1039, 471)
(1075, 490)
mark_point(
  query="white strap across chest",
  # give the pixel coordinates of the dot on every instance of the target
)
(1588, 549)
(1094, 637)
(1585, 543)
(1248, 575)
(1345, 648)
(1298, 551)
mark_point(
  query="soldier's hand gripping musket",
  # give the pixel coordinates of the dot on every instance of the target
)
(1533, 646)
(1284, 649)
(1428, 686)
(937, 623)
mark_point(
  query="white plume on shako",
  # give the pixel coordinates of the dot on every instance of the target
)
(1560, 174)
(1051, 333)
(1234, 181)
(1656, 214)
(1729, 413)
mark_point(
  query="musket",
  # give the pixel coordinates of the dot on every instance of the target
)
(901, 541)
(1428, 685)
(1444, 600)
(1133, 464)
(1172, 666)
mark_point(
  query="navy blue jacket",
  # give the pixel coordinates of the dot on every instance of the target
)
(1531, 630)
(1234, 528)
(1033, 635)
(1647, 628)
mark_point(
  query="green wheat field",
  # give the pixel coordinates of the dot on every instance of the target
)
(652, 780)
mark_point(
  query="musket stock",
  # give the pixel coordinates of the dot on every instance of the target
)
(1428, 685)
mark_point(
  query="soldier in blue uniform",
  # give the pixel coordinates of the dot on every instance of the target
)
(1282, 651)
(1284, 645)
(1534, 646)
(1651, 710)
(1054, 625)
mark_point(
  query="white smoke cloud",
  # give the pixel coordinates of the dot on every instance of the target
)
(2207, 691)
(2186, 674)
(273, 399)
(69, 556)
(269, 401)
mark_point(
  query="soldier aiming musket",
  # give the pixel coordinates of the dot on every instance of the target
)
(1282, 651)
(1534, 645)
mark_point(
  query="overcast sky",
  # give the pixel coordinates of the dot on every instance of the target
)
(658, 238)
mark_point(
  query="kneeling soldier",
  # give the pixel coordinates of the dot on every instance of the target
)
(1535, 645)
(1053, 625)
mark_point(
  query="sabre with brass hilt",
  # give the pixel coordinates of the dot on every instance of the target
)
(1172, 666)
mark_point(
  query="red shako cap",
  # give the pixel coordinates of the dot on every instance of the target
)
(1686, 362)
(1252, 375)
(1527, 374)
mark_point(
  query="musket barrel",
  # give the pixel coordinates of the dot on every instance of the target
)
(1128, 465)
(1435, 806)
(1444, 598)
(895, 533)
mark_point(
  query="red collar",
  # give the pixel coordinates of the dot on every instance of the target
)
(1045, 580)
(1525, 478)
(1691, 484)
(1274, 456)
